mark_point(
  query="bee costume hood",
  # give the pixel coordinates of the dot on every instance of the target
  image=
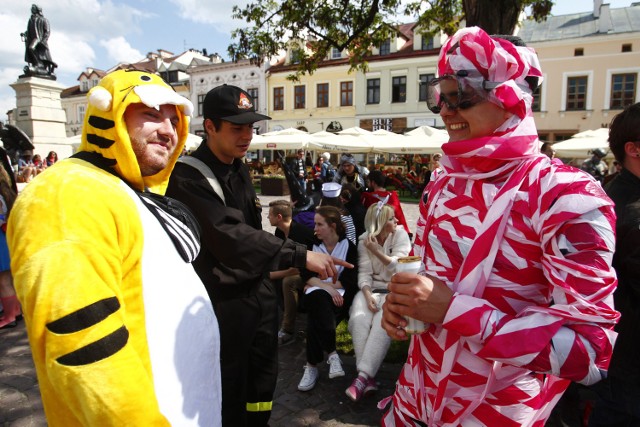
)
(105, 131)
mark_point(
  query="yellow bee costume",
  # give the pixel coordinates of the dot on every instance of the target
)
(121, 328)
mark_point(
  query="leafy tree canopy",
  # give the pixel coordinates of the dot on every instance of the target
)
(357, 25)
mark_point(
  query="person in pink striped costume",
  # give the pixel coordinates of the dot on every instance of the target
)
(517, 283)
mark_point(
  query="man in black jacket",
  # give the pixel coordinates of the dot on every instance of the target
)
(619, 394)
(237, 255)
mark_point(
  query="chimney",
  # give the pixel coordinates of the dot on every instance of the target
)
(596, 8)
(604, 23)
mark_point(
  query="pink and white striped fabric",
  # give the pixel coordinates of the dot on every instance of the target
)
(526, 245)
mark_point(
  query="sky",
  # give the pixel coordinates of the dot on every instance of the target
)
(102, 33)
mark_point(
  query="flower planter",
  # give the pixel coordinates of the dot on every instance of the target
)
(274, 187)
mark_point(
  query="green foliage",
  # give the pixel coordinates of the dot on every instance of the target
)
(356, 26)
(397, 352)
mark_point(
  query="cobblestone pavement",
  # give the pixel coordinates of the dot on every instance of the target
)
(324, 406)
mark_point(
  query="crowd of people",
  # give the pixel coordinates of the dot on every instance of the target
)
(169, 313)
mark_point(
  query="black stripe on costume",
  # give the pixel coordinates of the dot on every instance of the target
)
(85, 317)
(99, 141)
(97, 160)
(101, 349)
(101, 123)
(178, 222)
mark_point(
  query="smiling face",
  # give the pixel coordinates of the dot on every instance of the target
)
(230, 141)
(482, 119)
(153, 135)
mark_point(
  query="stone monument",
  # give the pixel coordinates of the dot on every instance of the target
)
(39, 111)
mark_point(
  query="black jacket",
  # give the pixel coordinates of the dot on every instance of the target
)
(624, 190)
(236, 254)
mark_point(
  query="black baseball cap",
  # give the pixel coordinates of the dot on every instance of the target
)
(232, 104)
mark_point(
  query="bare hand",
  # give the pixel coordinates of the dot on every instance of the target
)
(336, 297)
(421, 297)
(371, 243)
(325, 265)
(371, 303)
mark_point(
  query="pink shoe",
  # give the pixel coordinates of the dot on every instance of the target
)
(356, 389)
(371, 386)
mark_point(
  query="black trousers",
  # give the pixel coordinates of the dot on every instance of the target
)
(321, 325)
(248, 356)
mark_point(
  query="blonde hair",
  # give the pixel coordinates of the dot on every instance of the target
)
(374, 221)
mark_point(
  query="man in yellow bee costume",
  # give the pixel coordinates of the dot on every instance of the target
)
(121, 328)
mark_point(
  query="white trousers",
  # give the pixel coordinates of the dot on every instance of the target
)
(370, 341)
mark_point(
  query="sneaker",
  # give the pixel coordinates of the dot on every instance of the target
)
(371, 386)
(356, 389)
(285, 338)
(309, 379)
(335, 366)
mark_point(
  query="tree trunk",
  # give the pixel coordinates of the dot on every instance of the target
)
(493, 16)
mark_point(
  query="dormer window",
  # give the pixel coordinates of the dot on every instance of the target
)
(295, 56)
(385, 47)
(335, 53)
(427, 43)
(84, 85)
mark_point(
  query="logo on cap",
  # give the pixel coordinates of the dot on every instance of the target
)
(244, 103)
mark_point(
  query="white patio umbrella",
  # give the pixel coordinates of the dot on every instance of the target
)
(193, 142)
(581, 144)
(389, 142)
(428, 131)
(285, 139)
(338, 143)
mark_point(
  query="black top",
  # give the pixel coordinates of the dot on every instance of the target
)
(236, 253)
(624, 190)
(349, 280)
(300, 234)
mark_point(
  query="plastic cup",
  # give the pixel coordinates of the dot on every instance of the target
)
(411, 264)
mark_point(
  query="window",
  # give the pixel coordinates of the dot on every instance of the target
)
(373, 91)
(200, 103)
(422, 90)
(537, 105)
(294, 56)
(399, 89)
(576, 93)
(278, 98)
(623, 90)
(81, 110)
(427, 43)
(335, 53)
(385, 47)
(84, 85)
(254, 94)
(346, 94)
(578, 51)
(299, 97)
(169, 76)
(94, 82)
(626, 47)
(322, 99)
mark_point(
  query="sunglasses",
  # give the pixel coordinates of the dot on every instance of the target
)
(460, 95)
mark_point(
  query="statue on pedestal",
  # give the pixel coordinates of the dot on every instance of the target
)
(37, 49)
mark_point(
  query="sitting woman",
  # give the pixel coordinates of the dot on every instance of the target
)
(378, 252)
(328, 303)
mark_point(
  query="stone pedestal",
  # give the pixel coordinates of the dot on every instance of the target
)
(40, 115)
